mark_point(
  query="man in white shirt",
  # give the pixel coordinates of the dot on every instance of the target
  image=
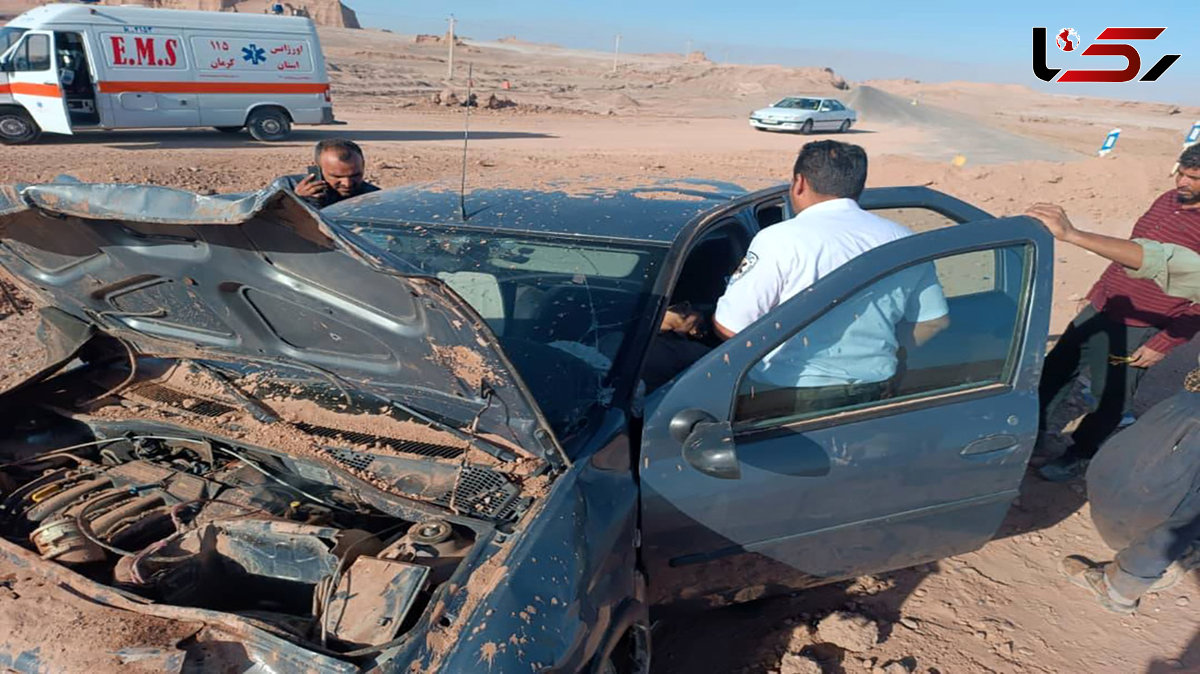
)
(856, 352)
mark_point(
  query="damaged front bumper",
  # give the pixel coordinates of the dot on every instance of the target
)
(224, 642)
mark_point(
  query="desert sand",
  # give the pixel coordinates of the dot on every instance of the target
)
(567, 117)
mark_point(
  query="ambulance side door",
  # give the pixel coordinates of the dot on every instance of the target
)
(33, 79)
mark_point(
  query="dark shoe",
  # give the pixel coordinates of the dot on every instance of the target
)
(1063, 469)
(1090, 576)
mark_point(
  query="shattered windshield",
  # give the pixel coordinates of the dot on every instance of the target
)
(799, 103)
(562, 309)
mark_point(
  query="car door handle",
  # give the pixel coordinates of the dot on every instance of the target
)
(990, 445)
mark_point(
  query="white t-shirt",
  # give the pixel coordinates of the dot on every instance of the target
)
(786, 258)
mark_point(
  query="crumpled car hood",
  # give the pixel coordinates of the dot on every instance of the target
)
(262, 277)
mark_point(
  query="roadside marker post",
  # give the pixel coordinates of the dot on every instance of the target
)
(1109, 142)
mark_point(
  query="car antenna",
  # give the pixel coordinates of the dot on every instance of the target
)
(462, 188)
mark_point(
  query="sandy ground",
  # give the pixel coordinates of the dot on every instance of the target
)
(1001, 609)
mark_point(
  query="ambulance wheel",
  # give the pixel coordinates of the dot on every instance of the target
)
(17, 127)
(269, 124)
(229, 129)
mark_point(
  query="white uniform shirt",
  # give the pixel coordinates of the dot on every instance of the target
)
(788, 257)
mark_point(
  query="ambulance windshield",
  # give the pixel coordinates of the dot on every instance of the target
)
(9, 37)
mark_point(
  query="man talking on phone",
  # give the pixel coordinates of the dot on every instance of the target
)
(336, 175)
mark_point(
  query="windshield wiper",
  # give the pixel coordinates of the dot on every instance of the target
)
(253, 405)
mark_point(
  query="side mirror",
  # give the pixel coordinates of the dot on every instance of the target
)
(710, 450)
(707, 444)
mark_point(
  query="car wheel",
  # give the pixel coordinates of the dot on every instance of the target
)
(229, 129)
(269, 125)
(845, 126)
(806, 128)
(18, 128)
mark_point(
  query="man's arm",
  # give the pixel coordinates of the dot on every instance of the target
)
(754, 289)
(1176, 269)
(1122, 251)
(916, 334)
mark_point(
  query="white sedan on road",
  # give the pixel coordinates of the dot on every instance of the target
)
(804, 114)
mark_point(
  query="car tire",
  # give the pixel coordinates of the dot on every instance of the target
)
(269, 125)
(806, 127)
(18, 128)
(229, 129)
(845, 126)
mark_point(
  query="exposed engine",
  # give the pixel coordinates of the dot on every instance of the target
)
(192, 522)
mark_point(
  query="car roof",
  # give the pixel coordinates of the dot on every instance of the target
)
(653, 214)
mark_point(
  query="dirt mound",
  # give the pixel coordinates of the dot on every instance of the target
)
(853, 632)
(767, 82)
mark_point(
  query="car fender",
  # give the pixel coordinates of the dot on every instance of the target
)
(568, 585)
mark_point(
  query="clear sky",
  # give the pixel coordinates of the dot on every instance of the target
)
(860, 39)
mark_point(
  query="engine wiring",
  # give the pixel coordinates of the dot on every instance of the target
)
(281, 481)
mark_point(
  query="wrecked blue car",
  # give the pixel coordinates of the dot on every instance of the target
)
(412, 434)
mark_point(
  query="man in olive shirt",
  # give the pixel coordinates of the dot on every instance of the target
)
(1144, 483)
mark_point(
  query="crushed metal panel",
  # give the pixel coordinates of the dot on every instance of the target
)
(372, 600)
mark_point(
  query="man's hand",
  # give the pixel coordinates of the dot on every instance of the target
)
(311, 187)
(1054, 218)
(1145, 357)
(684, 320)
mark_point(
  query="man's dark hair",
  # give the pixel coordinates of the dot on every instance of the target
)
(1190, 159)
(341, 148)
(833, 168)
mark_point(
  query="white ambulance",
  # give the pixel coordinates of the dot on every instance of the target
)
(66, 67)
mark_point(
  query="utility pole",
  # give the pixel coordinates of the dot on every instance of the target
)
(450, 63)
(689, 48)
(616, 52)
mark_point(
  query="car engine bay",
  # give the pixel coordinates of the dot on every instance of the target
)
(191, 497)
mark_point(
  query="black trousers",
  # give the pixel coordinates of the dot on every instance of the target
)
(1085, 346)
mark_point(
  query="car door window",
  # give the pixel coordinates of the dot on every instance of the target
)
(934, 328)
(825, 107)
(835, 106)
(33, 55)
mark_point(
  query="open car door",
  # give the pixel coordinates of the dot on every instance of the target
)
(33, 79)
(747, 483)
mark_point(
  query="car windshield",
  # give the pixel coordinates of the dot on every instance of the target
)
(9, 37)
(799, 103)
(563, 310)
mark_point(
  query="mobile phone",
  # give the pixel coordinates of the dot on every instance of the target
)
(315, 172)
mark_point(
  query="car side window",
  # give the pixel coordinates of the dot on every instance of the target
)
(835, 106)
(825, 106)
(928, 330)
(33, 55)
(965, 274)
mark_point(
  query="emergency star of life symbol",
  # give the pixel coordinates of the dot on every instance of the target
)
(254, 54)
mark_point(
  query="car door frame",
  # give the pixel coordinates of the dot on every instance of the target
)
(706, 393)
(45, 101)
